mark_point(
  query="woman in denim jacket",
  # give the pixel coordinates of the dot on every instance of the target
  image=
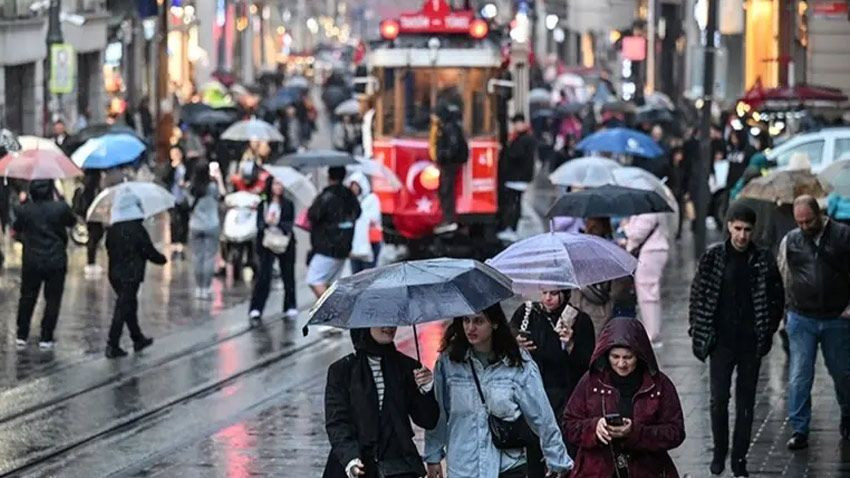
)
(512, 387)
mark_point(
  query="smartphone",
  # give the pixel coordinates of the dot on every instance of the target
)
(614, 420)
(526, 335)
(214, 168)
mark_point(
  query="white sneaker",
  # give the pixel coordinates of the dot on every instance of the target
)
(20, 344)
(254, 314)
(507, 235)
(291, 313)
(45, 345)
(445, 228)
(657, 344)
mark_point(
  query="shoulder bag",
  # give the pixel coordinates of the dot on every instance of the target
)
(276, 240)
(507, 435)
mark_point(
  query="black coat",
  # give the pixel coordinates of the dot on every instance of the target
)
(129, 247)
(332, 217)
(560, 370)
(519, 159)
(355, 426)
(768, 298)
(42, 225)
(819, 274)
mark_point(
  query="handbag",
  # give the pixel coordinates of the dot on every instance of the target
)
(506, 434)
(276, 240)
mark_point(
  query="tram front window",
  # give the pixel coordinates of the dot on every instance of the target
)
(424, 90)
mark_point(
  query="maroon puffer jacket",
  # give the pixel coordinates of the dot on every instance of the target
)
(657, 422)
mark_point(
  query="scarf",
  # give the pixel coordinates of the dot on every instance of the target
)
(628, 386)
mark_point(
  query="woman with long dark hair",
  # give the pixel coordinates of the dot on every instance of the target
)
(481, 372)
(177, 181)
(370, 399)
(205, 192)
(275, 215)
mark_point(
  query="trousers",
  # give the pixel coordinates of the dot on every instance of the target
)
(262, 286)
(448, 181)
(723, 361)
(126, 312)
(204, 246)
(32, 279)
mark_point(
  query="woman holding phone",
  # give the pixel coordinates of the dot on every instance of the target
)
(624, 407)
(560, 339)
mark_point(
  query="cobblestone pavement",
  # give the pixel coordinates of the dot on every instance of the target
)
(287, 438)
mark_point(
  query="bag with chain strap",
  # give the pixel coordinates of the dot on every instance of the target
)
(506, 434)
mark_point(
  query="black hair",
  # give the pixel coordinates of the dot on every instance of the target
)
(267, 189)
(741, 212)
(517, 117)
(456, 344)
(336, 173)
(200, 179)
(178, 148)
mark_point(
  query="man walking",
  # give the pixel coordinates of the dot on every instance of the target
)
(735, 307)
(41, 224)
(450, 152)
(516, 172)
(815, 260)
(332, 216)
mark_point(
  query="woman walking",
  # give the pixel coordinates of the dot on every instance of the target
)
(596, 300)
(177, 181)
(624, 410)
(483, 374)
(647, 240)
(366, 244)
(560, 339)
(370, 399)
(205, 193)
(275, 241)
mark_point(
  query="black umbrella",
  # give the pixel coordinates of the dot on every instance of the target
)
(569, 109)
(211, 118)
(284, 97)
(411, 293)
(189, 111)
(96, 131)
(317, 159)
(606, 201)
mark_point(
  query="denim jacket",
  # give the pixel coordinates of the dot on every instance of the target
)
(462, 435)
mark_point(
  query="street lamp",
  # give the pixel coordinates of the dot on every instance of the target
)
(551, 21)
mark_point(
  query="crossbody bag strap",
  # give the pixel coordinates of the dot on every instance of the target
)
(636, 251)
(529, 305)
(477, 383)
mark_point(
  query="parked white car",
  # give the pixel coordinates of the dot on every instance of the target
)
(822, 148)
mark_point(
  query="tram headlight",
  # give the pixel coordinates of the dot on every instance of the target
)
(429, 178)
(390, 29)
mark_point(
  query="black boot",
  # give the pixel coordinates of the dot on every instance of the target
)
(718, 463)
(142, 344)
(739, 468)
(115, 352)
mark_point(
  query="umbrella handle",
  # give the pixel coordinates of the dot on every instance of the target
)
(416, 341)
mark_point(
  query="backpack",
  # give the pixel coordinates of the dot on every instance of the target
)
(451, 145)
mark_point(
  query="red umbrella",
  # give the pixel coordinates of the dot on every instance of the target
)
(38, 164)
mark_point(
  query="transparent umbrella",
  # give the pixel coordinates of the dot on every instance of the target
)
(588, 172)
(562, 260)
(252, 130)
(295, 184)
(129, 201)
(34, 142)
(837, 176)
(378, 171)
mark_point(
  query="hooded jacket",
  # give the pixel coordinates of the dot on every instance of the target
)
(129, 247)
(357, 428)
(657, 421)
(370, 213)
(42, 225)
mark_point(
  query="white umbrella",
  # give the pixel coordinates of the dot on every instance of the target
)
(252, 130)
(129, 201)
(295, 184)
(376, 169)
(34, 142)
(588, 172)
(348, 107)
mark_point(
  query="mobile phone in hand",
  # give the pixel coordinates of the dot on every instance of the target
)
(614, 420)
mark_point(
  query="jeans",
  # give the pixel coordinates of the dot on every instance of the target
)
(721, 364)
(204, 246)
(804, 334)
(518, 472)
(448, 180)
(54, 284)
(126, 312)
(358, 265)
(262, 286)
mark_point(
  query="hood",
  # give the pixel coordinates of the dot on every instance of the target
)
(362, 181)
(624, 332)
(41, 190)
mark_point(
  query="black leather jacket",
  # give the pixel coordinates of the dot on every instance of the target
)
(819, 275)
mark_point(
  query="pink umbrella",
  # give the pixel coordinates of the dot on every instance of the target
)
(38, 164)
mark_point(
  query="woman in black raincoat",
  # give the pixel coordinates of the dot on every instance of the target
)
(560, 339)
(370, 399)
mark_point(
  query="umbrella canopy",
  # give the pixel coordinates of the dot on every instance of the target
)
(317, 158)
(659, 100)
(561, 260)
(539, 95)
(649, 114)
(377, 170)
(837, 176)
(98, 130)
(129, 201)
(38, 164)
(283, 98)
(783, 187)
(190, 110)
(606, 201)
(297, 82)
(44, 144)
(252, 130)
(9, 141)
(298, 186)
(621, 141)
(569, 109)
(108, 151)
(588, 172)
(640, 178)
(410, 293)
(211, 117)
(350, 107)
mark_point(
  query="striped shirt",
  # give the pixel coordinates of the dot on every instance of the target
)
(378, 375)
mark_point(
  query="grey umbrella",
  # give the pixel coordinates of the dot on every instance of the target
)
(317, 158)
(410, 293)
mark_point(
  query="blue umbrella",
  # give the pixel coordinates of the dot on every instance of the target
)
(108, 151)
(621, 141)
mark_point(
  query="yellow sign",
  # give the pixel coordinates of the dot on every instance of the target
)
(63, 68)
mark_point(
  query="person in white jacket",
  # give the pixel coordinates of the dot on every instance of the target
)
(647, 236)
(368, 236)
